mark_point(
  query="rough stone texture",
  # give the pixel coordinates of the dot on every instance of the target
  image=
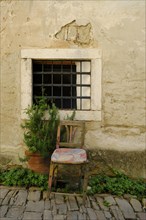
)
(3, 193)
(72, 203)
(116, 212)
(21, 198)
(3, 210)
(60, 209)
(118, 30)
(126, 208)
(136, 205)
(141, 215)
(8, 197)
(91, 214)
(34, 195)
(100, 202)
(32, 215)
(100, 215)
(47, 215)
(15, 212)
(37, 206)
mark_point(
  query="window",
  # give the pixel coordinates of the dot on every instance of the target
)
(65, 83)
(71, 78)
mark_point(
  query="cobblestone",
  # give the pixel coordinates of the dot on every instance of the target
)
(136, 205)
(23, 204)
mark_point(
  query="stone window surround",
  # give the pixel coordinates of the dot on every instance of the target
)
(26, 78)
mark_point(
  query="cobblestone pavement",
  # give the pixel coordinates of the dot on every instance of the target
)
(22, 204)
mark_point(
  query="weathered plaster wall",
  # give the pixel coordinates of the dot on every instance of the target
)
(117, 28)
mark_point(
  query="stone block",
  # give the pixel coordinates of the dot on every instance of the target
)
(37, 206)
(32, 216)
(3, 193)
(21, 198)
(3, 210)
(136, 205)
(47, 215)
(126, 208)
(116, 212)
(34, 195)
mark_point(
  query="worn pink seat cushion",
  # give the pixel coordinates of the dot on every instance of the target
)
(69, 155)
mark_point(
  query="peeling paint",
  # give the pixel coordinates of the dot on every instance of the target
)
(78, 34)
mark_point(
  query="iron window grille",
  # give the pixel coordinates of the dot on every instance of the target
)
(67, 83)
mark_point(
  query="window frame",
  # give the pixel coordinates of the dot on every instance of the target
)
(27, 55)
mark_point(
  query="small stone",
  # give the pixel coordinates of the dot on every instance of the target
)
(59, 199)
(95, 205)
(8, 197)
(47, 204)
(32, 216)
(136, 205)
(47, 215)
(100, 215)
(62, 209)
(3, 193)
(100, 202)
(15, 212)
(3, 210)
(107, 214)
(116, 212)
(142, 215)
(37, 206)
(72, 215)
(125, 208)
(72, 203)
(21, 198)
(144, 203)
(34, 195)
(91, 214)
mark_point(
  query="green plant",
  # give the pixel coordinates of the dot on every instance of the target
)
(23, 177)
(118, 185)
(39, 133)
(106, 203)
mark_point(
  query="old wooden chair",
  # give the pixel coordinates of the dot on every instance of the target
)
(69, 151)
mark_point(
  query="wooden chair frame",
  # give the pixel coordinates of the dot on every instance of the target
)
(71, 129)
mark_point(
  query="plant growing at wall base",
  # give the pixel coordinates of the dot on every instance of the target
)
(39, 132)
(119, 184)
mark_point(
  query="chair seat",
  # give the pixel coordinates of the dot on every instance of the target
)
(69, 155)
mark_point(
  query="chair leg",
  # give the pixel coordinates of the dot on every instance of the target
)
(55, 175)
(85, 183)
(50, 178)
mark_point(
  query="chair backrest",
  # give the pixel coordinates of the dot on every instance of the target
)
(70, 134)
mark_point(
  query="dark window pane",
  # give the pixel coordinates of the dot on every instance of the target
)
(66, 103)
(66, 68)
(74, 104)
(73, 91)
(74, 79)
(47, 68)
(37, 78)
(66, 91)
(56, 78)
(47, 78)
(73, 68)
(57, 103)
(37, 67)
(47, 91)
(66, 79)
(56, 91)
(56, 68)
(37, 90)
